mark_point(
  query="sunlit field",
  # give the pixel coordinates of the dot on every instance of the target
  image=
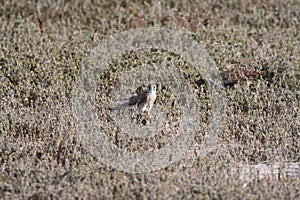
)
(255, 48)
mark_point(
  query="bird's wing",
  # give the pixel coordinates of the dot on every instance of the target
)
(133, 100)
(142, 97)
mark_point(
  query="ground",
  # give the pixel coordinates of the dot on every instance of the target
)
(255, 48)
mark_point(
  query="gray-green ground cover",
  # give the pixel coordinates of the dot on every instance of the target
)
(255, 45)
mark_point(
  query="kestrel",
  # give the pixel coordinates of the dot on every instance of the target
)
(144, 100)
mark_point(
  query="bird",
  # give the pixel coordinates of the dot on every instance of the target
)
(144, 100)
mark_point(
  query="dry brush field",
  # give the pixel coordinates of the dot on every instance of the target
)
(255, 47)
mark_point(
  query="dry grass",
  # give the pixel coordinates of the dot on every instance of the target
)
(255, 45)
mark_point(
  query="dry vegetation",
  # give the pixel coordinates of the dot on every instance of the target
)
(255, 45)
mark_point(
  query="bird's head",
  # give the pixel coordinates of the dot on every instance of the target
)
(151, 88)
